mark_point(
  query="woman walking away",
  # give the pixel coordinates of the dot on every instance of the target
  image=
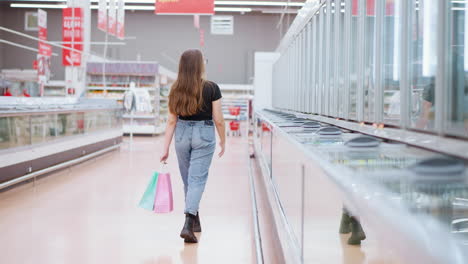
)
(194, 111)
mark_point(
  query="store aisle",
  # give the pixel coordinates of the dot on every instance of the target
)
(89, 213)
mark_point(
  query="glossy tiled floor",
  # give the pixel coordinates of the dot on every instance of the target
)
(89, 213)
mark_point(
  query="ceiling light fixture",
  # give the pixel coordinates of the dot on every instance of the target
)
(216, 9)
(49, 6)
(232, 9)
(279, 11)
(127, 7)
(258, 3)
(223, 3)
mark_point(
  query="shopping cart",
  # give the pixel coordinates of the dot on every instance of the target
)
(234, 126)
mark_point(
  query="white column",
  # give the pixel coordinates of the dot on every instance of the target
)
(263, 81)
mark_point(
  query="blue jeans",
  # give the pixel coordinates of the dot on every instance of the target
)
(195, 143)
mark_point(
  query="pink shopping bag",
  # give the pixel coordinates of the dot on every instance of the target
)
(163, 202)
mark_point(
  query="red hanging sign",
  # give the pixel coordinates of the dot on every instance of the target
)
(390, 7)
(355, 8)
(72, 32)
(102, 15)
(112, 18)
(44, 48)
(184, 7)
(42, 24)
(45, 51)
(121, 20)
(370, 8)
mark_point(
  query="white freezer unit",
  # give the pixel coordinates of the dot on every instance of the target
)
(313, 179)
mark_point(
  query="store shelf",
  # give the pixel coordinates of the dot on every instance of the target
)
(55, 84)
(55, 89)
(139, 116)
(143, 129)
(237, 88)
(100, 83)
(110, 88)
(122, 74)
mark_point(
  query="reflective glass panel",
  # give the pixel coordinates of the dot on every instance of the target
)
(316, 63)
(104, 120)
(330, 92)
(43, 128)
(323, 52)
(423, 62)
(70, 124)
(369, 62)
(353, 60)
(14, 132)
(339, 96)
(117, 121)
(305, 73)
(308, 71)
(391, 62)
(91, 121)
(458, 74)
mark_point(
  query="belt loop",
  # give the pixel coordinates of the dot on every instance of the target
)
(208, 123)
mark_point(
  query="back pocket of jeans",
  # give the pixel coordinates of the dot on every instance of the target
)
(179, 133)
(207, 133)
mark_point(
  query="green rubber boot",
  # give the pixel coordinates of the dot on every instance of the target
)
(357, 234)
(345, 225)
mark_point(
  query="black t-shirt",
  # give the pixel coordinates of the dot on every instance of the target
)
(428, 93)
(211, 93)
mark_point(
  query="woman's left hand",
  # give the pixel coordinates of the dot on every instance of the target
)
(165, 156)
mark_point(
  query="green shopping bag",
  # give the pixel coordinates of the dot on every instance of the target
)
(147, 201)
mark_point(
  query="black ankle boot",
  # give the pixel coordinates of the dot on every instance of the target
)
(345, 225)
(197, 225)
(357, 234)
(187, 232)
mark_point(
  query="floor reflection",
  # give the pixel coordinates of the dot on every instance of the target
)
(160, 260)
(189, 253)
(351, 254)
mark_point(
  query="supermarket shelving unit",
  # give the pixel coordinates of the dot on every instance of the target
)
(148, 76)
(118, 77)
(236, 95)
(55, 89)
(165, 80)
(27, 79)
(21, 80)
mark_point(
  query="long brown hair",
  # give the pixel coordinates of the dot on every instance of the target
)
(186, 96)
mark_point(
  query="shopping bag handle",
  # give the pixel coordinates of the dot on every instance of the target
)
(163, 167)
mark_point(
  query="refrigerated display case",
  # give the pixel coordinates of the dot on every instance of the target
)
(37, 134)
(398, 64)
(417, 218)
